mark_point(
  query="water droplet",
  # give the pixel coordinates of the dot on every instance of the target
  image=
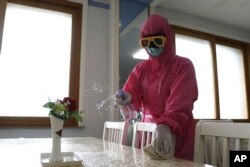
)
(105, 104)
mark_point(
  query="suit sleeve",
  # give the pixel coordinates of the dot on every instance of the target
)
(133, 86)
(178, 111)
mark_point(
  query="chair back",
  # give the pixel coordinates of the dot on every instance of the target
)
(223, 137)
(115, 132)
(143, 134)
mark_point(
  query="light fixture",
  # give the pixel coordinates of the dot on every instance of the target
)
(141, 54)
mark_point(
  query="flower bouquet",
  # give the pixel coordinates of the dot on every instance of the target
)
(60, 111)
(64, 109)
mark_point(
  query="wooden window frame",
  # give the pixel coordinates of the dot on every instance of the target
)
(2, 15)
(215, 39)
(61, 6)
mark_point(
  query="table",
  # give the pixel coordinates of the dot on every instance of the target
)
(25, 152)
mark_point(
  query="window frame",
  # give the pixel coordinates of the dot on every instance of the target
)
(2, 15)
(61, 6)
(216, 39)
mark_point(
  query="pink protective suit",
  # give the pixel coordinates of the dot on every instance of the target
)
(165, 88)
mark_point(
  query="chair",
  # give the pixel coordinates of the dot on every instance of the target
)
(114, 132)
(225, 136)
(143, 134)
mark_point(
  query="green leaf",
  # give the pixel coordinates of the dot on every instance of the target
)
(59, 108)
(77, 117)
(49, 105)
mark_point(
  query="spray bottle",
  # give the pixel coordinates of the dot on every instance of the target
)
(128, 113)
(127, 110)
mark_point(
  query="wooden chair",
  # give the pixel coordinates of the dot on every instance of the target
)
(143, 134)
(225, 136)
(115, 132)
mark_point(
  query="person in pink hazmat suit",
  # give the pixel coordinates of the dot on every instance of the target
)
(164, 87)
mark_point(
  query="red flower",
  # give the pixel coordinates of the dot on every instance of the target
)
(71, 104)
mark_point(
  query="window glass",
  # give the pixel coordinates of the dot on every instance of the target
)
(231, 78)
(35, 59)
(199, 52)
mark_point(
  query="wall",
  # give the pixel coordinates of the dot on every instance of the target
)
(94, 79)
(96, 74)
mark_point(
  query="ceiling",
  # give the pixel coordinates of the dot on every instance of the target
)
(234, 13)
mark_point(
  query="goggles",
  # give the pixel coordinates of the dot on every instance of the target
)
(158, 41)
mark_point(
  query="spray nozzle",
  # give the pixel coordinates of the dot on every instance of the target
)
(121, 94)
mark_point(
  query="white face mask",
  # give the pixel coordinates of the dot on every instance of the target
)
(155, 51)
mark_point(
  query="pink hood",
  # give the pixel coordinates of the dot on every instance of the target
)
(156, 24)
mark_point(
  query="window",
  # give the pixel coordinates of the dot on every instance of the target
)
(231, 82)
(39, 59)
(201, 58)
(221, 68)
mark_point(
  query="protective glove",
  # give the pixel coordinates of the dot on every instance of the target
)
(163, 142)
(122, 98)
(149, 151)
